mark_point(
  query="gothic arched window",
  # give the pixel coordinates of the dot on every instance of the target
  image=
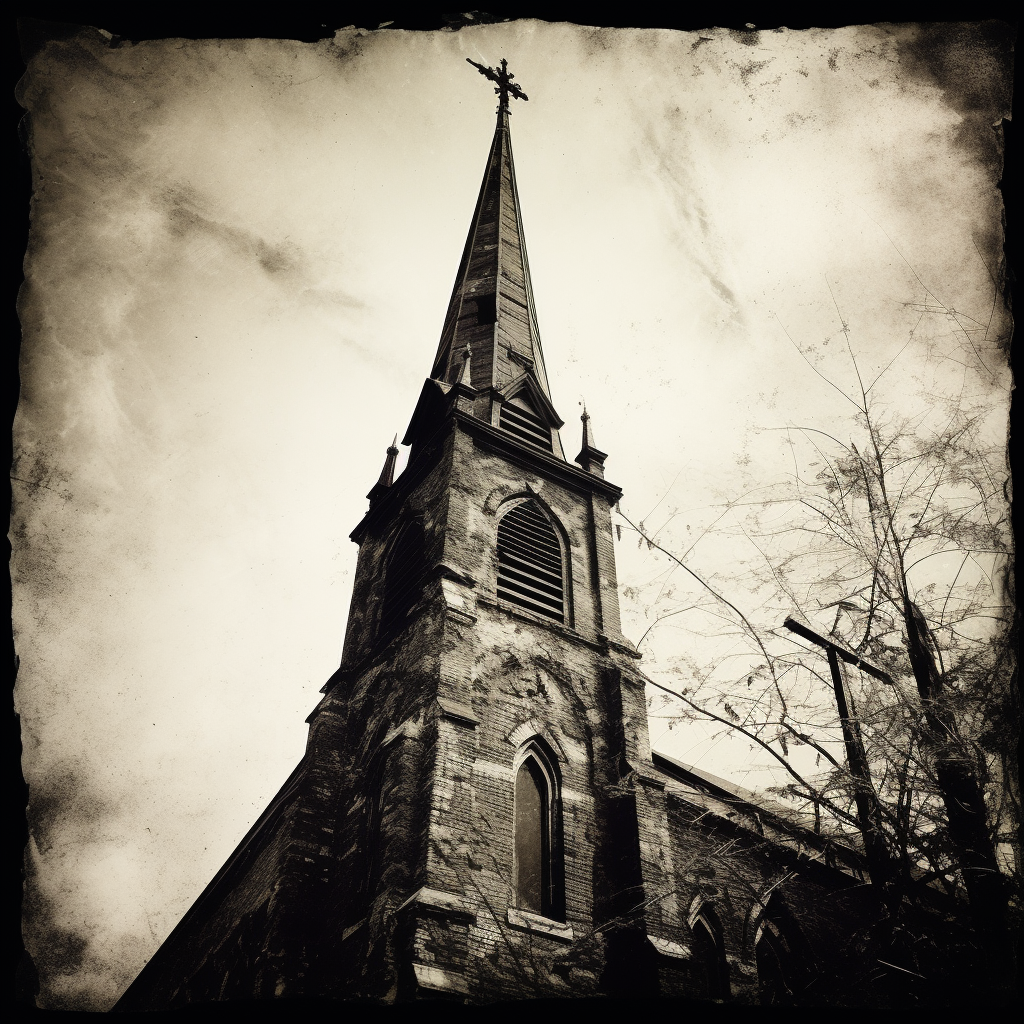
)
(781, 957)
(373, 833)
(530, 562)
(536, 863)
(403, 574)
(773, 969)
(709, 956)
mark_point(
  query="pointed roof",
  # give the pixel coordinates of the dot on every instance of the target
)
(590, 458)
(387, 474)
(492, 304)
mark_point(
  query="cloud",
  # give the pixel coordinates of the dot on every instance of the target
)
(66, 813)
(972, 64)
(226, 295)
(63, 799)
(751, 68)
(332, 298)
(182, 206)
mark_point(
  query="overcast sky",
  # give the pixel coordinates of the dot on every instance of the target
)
(241, 256)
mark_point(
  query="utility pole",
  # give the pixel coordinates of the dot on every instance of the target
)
(880, 864)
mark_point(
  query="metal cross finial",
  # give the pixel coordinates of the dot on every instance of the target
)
(506, 87)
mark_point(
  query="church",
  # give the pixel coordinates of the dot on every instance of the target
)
(478, 815)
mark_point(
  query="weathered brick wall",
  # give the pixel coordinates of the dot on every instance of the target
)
(727, 862)
(514, 676)
(239, 939)
(386, 872)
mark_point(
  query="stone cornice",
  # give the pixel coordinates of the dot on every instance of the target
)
(490, 439)
(538, 620)
(456, 712)
(622, 646)
(527, 922)
(502, 443)
(444, 571)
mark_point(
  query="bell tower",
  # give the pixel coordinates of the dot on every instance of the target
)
(476, 815)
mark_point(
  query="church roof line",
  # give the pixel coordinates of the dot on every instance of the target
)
(784, 820)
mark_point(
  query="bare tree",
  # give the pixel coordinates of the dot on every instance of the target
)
(894, 523)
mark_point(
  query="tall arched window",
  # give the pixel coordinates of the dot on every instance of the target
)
(709, 955)
(373, 834)
(536, 862)
(781, 955)
(530, 562)
(403, 574)
(773, 968)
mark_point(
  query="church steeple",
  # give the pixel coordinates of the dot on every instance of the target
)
(486, 701)
(492, 304)
(477, 799)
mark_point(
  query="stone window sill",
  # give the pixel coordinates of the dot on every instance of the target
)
(447, 904)
(667, 947)
(538, 620)
(528, 922)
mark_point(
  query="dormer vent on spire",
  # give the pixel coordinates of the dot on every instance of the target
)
(520, 418)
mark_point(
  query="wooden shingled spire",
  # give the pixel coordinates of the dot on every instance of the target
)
(492, 305)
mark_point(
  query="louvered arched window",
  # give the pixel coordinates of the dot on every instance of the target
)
(519, 418)
(403, 576)
(536, 863)
(530, 562)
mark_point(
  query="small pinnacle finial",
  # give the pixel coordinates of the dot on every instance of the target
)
(588, 432)
(387, 474)
(590, 458)
(465, 376)
(506, 87)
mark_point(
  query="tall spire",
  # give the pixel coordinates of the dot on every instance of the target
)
(492, 304)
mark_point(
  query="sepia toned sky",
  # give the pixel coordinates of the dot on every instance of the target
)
(240, 258)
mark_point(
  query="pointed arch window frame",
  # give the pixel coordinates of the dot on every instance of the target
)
(703, 916)
(537, 752)
(565, 555)
(774, 925)
(390, 625)
(375, 793)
